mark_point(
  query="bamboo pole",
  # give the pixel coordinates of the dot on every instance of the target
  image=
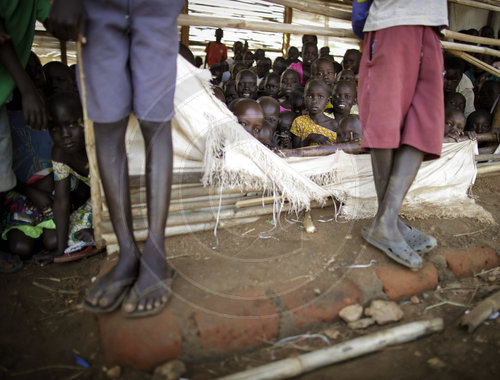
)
(490, 6)
(287, 19)
(185, 28)
(468, 38)
(495, 123)
(178, 178)
(469, 48)
(321, 150)
(264, 26)
(488, 169)
(476, 62)
(487, 157)
(291, 367)
(316, 8)
(95, 178)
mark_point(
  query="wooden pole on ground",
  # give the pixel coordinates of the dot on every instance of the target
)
(95, 179)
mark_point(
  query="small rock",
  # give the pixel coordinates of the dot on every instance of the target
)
(361, 324)
(351, 313)
(480, 339)
(436, 363)
(415, 300)
(417, 354)
(492, 278)
(332, 333)
(171, 370)
(114, 372)
(384, 311)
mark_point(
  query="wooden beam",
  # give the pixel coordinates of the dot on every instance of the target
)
(468, 38)
(316, 7)
(185, 28)
(287, 19)
(490, 6)
(470, 48)
(476, 62)
(264, 26)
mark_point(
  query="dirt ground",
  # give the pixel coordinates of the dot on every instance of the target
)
(45, 330)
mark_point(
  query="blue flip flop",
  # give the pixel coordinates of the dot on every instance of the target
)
(419, 241)
(399, 252)
(9, 263)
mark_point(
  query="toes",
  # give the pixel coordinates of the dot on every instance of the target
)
(128, 307)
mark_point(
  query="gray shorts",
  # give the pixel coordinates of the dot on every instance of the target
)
(130, 59)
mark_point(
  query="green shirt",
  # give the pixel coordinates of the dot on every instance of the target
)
(20, 17)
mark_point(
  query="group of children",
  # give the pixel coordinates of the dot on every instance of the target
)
(295, 103)
(49, 210)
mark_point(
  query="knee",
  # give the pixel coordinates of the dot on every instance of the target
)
(20, 244)
(50, 239)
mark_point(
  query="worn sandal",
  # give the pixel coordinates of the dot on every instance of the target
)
(419, 241)
(124, 284)
(399, 252)
(135, 295)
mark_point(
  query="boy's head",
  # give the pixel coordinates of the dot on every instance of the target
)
(237, 67)
(246, 84)
(230, 91)
(293, 54)
(266, 134)
(248, 59)
(263, 66)
(272, 84)
(237, 48)
(297, 101)
(309, 38)
(344, 96)
(219, 34)
(279, 65)
(309, 53)
(454, 122)
(219, 94)
(479, 121)
(217, 69)
(487, 31)
(323, 69)
(349, 129)
(250, 115)
(66, 121)
(259, 54)
(271, 109)
(346, 75)
(454, 68)
(324, 52)
(285, 121)
(352, 58)
(455, 100)
(488, 94)
(59, 78)
(290, 81)
(316, 96)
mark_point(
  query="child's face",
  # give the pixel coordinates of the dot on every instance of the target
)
(279, 65)
(455, 100)
(290, 81)
(230, 92)
(246, 86)
(266, 135)
(59, 79)
(451, 79)
(326, 73)
(251, 118)
(346, 75)
(454, 124)
(316, 98)
(66, 129)
(285, 121)
(271, 114)
(272, 86)
(351, 61)
(309, 54)
(349, 130)
(344, 97)
(480, 123)
(293, 54)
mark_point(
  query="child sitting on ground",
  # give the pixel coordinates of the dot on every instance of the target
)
(250, 115)
(271, 109)
(309, 55)
(272, 84)
(290, 81)
(292, 56)
(454, 100)
(344, 97)
(479, 121)
(59, 78)
(283, 131)
(349, 129)
(323, 69)
(246, 84)
(279, 65)
(316, 127)
(352, 58)
(454, 123)
(297, 101)
(346, 75)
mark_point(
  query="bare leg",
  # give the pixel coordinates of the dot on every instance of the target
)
(153, 267)
(113, 167)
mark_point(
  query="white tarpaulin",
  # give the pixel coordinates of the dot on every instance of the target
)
(208, 138)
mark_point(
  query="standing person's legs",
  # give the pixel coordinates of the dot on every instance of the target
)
(7, 176)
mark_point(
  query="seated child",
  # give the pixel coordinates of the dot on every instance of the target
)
(346, 75)
(271, 109)
(297, 101)
(283, 131)
(219, 94)
(250, 115)
(349, 129)
(292, 56)
(272, 84)
(246, 84)
(238, 66)
(352, 58)
(267, 137)
(279, 65)
(290, 81)
(316, 127)
(456, 81)
(59, 78)
(479, 121)
(230, 91)
(454, 123)
(323, 69)
(344, 97)
(454, 100)
(262, 69)
(309, 55)
(488, 96)
(216, 70)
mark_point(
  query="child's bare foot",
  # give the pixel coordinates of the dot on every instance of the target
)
(108, 292)
(151, 291)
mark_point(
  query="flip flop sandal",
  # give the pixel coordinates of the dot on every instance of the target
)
(9, 263)
(43, 259)
(73, 256)
(123, 284)
(135, 295)
(399, 252)
(418, 241)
